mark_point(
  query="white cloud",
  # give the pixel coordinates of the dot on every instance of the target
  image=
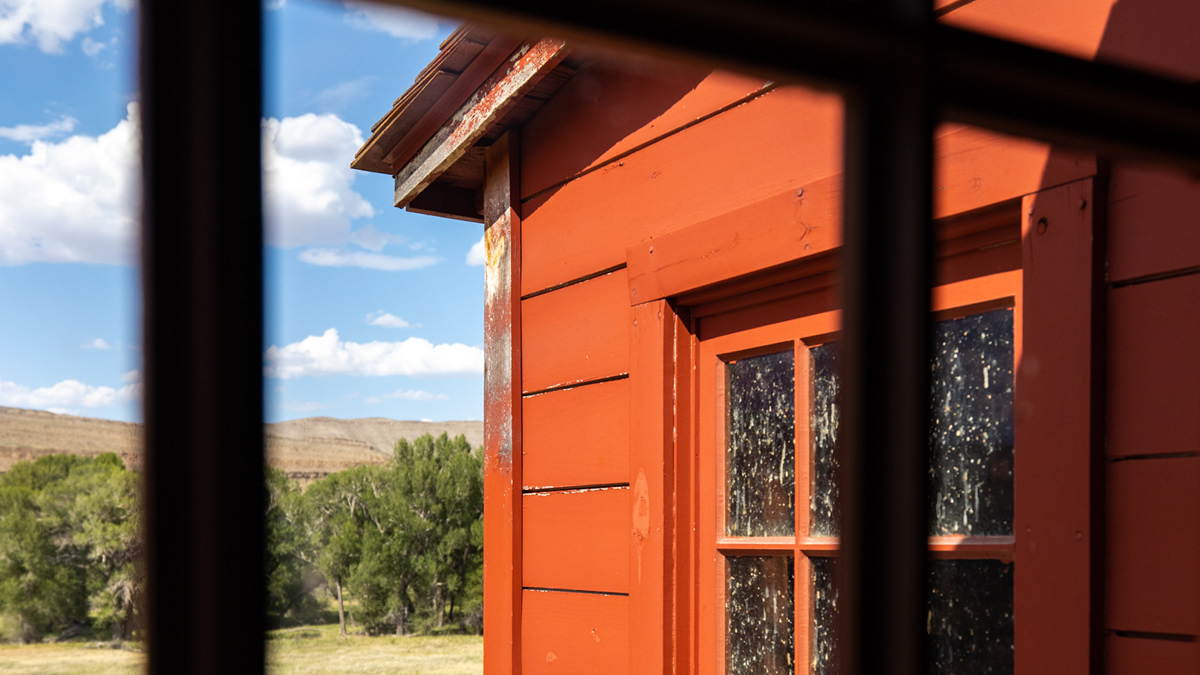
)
(477, 256)
(382, 318)
(373, 240)
(342, 94)
(98, 343)
(65, 395)
(274, 4)
(50, 23)
(327, 257)
(372, 399)
(134, 375)
(91, 47)
(72, 201)
(28, 133)
(398, 22)
(307, 180)
(328, 354)
(416, 395)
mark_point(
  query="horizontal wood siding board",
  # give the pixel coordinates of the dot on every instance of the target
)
(1154, 221)
(574, 633)
(975, 168)
(576, 333)
(1154, 368)
(577, 540)
(1158, 36)
(612, 107)
(777, 230)
(784, 139)
(1153, 579)
(577, 436)
(1139, 656)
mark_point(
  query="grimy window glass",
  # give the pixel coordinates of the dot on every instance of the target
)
(759, 599)
(760, 455)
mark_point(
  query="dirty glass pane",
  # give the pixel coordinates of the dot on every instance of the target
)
(971, 426)
(758, 628)
(969, 619)
(760, 446)
(824, 613)
(823, 430)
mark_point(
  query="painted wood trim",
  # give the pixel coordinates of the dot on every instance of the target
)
(502, 409)
(525, 68)
(1059, 439)
(651, 450)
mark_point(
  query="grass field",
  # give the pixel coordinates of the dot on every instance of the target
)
(315, 650)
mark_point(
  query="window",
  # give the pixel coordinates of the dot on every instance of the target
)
(768, 389)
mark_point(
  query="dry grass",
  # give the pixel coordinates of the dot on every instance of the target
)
(319, 651)
(315, 650)
(68, 659)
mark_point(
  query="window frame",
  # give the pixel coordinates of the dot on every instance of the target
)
(802, 332)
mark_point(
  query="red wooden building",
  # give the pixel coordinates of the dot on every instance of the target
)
(662, 345)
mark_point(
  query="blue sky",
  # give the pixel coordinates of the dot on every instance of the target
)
(371, 311)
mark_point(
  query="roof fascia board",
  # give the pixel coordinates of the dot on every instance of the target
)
(524, 69)
(492, 57)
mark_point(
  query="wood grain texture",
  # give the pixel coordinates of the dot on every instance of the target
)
(777, 230)
(1139, 656)
(1056, 418)
(1154, 221)
(577, 333)
(502, 410)
(577, 540)
(574, 633)
(1154, 368)
(1154, 546)
(651, 446)
(468, 124)
(974, 168)
(782, 140)
(621, 105)
(578, 436)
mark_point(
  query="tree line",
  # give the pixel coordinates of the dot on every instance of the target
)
(397, 545)
(404, 540)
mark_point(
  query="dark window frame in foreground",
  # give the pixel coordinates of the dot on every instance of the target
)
(201, 86)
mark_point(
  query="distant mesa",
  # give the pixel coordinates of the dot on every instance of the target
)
(306, 449)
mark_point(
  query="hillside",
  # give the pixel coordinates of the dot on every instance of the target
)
(305, 449)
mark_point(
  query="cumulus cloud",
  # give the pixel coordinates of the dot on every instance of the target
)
(373, 240)
(477, 256)
(91, 47)
(134, 375)
(72, 201)
(328, 257)
(65, 395)
(328, 354)
(98, 343)
(50, 23)
(398, 22)
(307, 180)
(382, 318)
(28, 133)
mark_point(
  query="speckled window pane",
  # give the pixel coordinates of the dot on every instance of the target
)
(971, 426)
(969, 617)
(760, 454)
(824, 613)
(824, 509)
(758, 628)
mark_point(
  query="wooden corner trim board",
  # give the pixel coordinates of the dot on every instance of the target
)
(1058, 509)
(502, 409)
(521, 71)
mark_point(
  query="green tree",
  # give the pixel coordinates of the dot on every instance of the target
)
(69, 543)
(290, 551)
